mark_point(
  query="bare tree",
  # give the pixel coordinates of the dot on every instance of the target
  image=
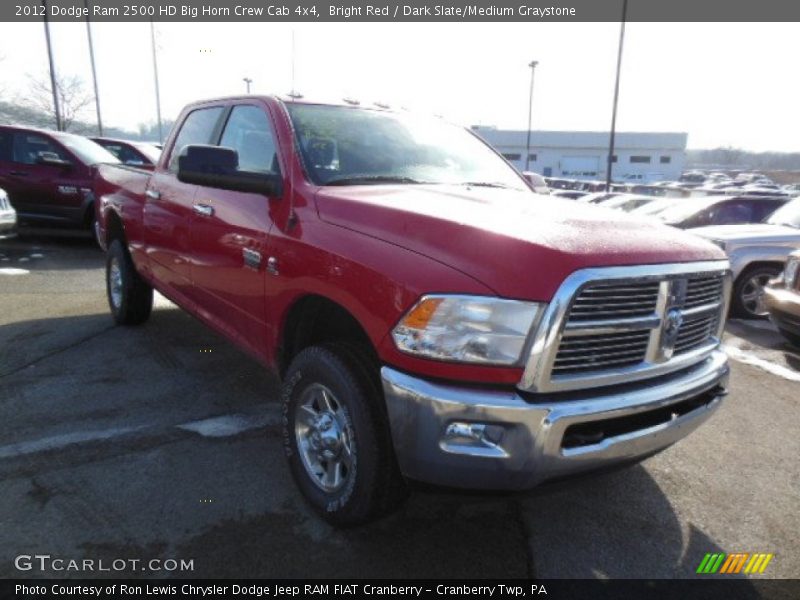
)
(73, 98)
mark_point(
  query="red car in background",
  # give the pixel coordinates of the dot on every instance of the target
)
(49, 175)
(135, 154)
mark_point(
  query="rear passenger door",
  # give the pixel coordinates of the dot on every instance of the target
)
(230, 233)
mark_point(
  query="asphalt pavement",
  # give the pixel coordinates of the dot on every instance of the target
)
(163, 442)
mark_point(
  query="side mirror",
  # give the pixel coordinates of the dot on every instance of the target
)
(218, 167)
(51, 159)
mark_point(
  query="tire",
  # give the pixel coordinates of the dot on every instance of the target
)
(129, 296)
(746, 302)
(336, 436)
(793, 338)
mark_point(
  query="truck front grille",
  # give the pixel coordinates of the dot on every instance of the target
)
(606, 351)
(628, 323)
(610, 301)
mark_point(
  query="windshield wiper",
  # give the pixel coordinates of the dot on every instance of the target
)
(371, 179)
(491, 184)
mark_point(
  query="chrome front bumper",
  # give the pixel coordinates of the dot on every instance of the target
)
(488, 439)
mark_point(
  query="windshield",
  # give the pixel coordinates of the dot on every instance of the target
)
(88, 151)
(683, 210)
(351, 146)
(788, 214)
(150, 151)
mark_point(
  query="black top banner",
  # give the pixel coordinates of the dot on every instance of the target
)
(400, 11)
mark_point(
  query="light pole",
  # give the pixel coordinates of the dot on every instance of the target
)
(94, 69)
(155, 76)
(532, 65)
(247, 82)
(53, 87)
(616, 97)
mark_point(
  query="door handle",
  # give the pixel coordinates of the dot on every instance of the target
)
(152, 194)
(204, 209)
(19, 173)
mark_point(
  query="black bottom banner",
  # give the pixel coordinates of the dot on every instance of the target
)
(113, 589)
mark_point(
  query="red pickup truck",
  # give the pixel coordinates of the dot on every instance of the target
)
(49, 175)
(431, 317)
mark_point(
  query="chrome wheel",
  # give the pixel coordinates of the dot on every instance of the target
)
(752, 294)
(325, 438)
(115, 283)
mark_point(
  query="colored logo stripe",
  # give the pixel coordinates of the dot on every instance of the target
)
(733, 563)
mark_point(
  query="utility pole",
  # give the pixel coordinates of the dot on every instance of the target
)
(53, 86)
(247, 82)
(616, 96)
(94, 70)
(155, 76)
(532, 65)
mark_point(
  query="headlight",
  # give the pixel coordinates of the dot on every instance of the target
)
(471, 329)
(790, 272)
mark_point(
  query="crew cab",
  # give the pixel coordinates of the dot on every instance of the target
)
(49, 175)
(431, 317)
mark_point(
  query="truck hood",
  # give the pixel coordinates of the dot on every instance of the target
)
(520, 244)
(755, 234)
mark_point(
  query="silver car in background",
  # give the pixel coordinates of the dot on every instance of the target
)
(8, 217)
(758, 254)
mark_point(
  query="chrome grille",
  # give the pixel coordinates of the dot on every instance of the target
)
(589, 353)
(609, 301)
(696, 332)
(703, 290)
(621, 324)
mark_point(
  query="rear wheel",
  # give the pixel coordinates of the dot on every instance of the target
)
(129, 296)
(748, 292)
(336, 436)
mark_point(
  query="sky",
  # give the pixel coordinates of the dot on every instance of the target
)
(725, 84)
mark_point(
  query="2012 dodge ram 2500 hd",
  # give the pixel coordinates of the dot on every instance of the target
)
(430, 316)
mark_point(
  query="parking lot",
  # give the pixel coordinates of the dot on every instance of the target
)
(163, 441)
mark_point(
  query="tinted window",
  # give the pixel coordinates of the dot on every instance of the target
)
(30, 147)
(640, 159)
(731, 213)
(763, 209)
(198, 127)
(125, 153)
(6, 142)
(248, 132)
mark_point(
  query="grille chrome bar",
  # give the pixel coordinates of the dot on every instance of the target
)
(592, 335)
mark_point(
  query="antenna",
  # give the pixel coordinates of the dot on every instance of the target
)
(293, 88)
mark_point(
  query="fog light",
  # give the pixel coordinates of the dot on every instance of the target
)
(474, 439)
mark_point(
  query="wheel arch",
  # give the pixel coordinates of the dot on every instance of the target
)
(314, 319)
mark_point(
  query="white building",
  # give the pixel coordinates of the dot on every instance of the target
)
(642, 157)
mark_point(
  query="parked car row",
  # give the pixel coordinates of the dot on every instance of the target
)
(48, 176)
(756, 232)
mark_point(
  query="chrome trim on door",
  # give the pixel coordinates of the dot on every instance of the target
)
(538, 377)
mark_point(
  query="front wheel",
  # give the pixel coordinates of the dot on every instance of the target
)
(336, 437)
(129, 296)
(748, 292)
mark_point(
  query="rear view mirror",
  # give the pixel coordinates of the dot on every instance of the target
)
(51, 159)
(218, 167)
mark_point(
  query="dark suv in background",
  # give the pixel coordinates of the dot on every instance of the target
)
(49, 175)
